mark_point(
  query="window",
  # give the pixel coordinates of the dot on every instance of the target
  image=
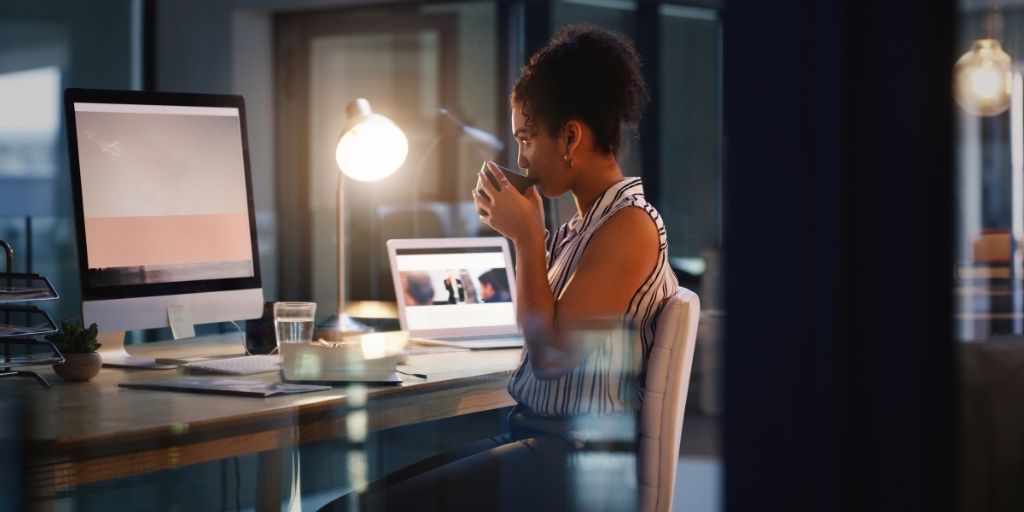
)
(408, 61)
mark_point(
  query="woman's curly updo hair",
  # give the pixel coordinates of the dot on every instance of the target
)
(585, 73)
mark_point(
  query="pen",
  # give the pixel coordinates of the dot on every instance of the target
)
(420, 375)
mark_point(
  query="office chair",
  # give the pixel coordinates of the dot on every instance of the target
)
(661, 418)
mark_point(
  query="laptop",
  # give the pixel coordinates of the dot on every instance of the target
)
(456, 292)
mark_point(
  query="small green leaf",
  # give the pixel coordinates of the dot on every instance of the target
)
(75, 338)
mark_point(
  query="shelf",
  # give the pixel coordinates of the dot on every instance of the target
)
(24, 321)
(17, 287)
(16, 352)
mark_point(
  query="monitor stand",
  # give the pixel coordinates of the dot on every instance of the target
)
(114, 355)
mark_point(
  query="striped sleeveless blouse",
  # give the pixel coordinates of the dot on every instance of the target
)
(609, 379)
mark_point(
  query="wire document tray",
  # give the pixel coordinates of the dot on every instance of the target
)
(24, 321)
(16, 287)
(28, 352)
(19, 323)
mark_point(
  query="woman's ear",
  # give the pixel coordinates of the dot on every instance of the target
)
(572, 134)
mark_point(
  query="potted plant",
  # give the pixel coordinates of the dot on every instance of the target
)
(78, 344)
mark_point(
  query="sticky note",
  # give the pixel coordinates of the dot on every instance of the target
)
(180, 317)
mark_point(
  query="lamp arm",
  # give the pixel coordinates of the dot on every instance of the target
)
(480, 137)
(483, 138)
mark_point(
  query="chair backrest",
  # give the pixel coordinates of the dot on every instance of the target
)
(661, 417)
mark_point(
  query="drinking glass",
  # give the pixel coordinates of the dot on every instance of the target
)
(293, 322)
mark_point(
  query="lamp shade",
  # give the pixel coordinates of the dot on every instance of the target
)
(371, 147)
(982, 79)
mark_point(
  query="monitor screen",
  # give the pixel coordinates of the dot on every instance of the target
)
(163, 207)
(163, 193)
(455, 287)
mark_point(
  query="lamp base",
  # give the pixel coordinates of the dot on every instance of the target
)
(341, 327)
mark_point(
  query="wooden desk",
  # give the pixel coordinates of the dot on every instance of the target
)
(87, 432)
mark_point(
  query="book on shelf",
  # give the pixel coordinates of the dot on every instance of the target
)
(992, 246)
(984, 272)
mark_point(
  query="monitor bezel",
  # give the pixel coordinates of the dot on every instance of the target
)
(92, 293)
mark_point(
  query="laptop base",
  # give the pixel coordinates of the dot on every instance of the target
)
(472, 344)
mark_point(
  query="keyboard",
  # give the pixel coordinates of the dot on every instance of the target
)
(244, 365)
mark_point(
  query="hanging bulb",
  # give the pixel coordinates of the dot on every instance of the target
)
(982, 79)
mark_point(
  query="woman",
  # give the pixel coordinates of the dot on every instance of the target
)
(588, 297)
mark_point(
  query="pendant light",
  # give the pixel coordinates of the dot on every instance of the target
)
(982, 78)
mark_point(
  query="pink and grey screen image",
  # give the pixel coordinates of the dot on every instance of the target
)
(163, 193)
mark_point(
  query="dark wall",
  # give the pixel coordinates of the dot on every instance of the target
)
(838, 239)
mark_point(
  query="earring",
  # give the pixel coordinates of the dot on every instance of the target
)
(567, 160)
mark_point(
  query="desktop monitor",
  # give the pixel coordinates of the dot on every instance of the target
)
(163, 211)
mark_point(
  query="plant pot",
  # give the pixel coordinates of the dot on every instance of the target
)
(79, 367)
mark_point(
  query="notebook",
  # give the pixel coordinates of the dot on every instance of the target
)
(224, 386)
(456, 291)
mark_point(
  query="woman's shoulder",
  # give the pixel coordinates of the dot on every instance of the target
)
(626, 227)
(622, 208)
(632, 210)
(628, 192)
(631, 217)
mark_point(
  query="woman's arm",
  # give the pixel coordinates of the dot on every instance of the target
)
(619, 257)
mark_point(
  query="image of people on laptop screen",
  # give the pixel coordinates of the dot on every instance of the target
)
(163, 193)
(453, 288)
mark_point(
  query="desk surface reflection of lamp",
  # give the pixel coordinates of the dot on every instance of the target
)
(370, 148)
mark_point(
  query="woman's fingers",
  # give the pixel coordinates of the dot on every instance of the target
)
(503, 182)
(487, 181)
(532, 194)
(495, 195)
(483, 205)
(479, 192)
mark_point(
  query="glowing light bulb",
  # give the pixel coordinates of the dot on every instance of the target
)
(982, 79)
(371, 147)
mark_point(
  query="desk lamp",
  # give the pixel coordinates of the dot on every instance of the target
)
(371, 147)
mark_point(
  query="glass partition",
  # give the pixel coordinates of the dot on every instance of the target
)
(988, 274)
(45, 47)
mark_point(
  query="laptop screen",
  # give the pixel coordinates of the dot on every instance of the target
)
(446, 289)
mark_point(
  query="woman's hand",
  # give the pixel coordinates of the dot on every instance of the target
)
(503, 208)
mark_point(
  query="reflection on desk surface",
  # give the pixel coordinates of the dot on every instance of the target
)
(93, 431)
(100, 408)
